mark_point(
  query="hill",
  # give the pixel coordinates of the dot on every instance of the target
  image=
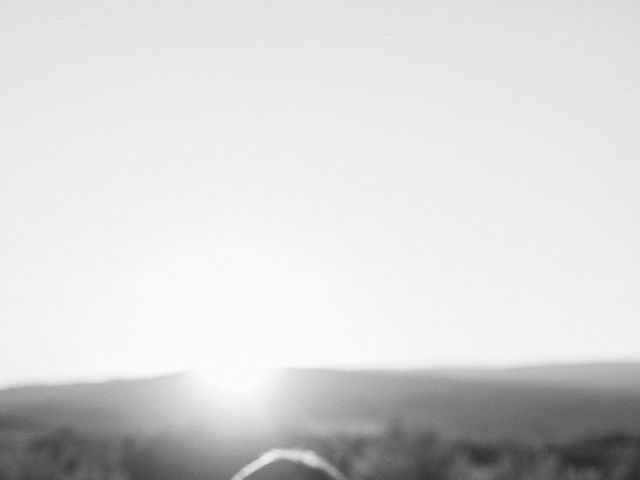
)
(541, 403)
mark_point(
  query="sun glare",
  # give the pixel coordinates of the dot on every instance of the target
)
(234, 380)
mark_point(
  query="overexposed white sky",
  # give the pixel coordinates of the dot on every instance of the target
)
(317, 183)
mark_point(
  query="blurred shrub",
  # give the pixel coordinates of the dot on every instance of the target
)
(395, 454)
(61, 455)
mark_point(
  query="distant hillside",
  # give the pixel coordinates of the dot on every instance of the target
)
(619, 377)
(525, 403)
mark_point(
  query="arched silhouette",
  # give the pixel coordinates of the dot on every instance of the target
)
(289, 465)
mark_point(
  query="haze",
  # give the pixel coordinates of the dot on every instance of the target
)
(323, 183)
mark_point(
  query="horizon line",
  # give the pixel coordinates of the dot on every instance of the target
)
(65, 380)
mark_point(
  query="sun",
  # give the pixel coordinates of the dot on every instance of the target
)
(235, 397)
(234, 380)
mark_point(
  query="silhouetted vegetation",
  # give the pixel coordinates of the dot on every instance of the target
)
(201, 453)
(60, 455)
(371, 425)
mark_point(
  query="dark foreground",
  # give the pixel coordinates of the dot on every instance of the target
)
(395, 454)
(544, 423)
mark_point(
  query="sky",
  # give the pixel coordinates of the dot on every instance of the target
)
(323, 183)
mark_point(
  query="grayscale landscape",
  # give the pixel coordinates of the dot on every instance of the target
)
(319, 240)
(529, 404)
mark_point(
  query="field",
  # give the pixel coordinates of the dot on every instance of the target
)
(547, 423)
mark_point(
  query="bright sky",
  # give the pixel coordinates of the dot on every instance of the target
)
(317, 183)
